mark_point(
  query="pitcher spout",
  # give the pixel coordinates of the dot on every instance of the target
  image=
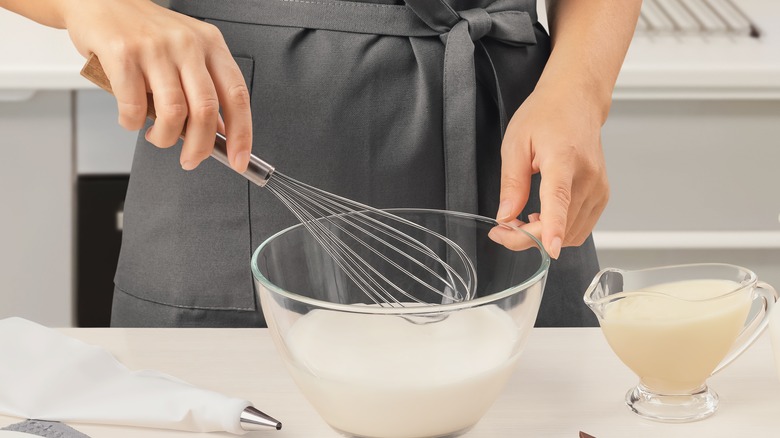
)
(607, 282)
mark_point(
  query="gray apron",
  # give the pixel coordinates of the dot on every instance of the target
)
(394, 105)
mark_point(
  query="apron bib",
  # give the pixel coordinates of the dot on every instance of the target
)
(393, 105)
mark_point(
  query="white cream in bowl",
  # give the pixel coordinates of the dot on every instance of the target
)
(383, 376)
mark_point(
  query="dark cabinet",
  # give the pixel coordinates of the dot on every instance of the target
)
(99, 236)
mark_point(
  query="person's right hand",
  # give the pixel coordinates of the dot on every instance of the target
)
(183, 62)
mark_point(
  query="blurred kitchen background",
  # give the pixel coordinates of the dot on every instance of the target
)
(692, 148)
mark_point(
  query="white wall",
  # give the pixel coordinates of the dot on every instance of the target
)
(688, 167)
(36, 181)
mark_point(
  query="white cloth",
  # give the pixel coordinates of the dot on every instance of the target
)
(46, 375)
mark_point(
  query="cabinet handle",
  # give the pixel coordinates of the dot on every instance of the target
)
(120, 220)
(16, 95)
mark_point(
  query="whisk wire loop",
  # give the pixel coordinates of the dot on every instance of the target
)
(333, 217)
(348, 259)
(344, 257)
(322, 213)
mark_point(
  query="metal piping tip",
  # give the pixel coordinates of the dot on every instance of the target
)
(253, 419)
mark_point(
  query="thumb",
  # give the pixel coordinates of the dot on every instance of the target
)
(515, 184)
(555, 197)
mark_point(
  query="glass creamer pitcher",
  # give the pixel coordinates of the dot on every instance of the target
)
(675, 326)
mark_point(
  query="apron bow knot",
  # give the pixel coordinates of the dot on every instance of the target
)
(508, 26)
(504, 20)
(479, 22)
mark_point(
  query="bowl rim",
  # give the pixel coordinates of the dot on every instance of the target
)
(541, 271)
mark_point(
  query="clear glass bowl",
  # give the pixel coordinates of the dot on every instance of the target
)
(402, 372)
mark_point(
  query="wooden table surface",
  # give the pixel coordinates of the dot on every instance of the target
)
(567, 380)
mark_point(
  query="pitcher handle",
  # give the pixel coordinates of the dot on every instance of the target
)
(752, 330)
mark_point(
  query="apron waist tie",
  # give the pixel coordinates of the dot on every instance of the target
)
(508, 21)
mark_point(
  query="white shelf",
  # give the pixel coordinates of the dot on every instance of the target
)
(37, 57)
(640, 240)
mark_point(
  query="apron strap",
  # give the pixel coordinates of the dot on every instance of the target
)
(503, 20)
(508, 21)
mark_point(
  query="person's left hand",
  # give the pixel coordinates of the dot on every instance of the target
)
(557, 131)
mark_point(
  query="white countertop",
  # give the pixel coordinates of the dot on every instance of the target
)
(656, 67)
(568, 380)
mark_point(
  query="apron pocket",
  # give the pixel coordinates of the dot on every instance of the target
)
(186, 240)
(247, 67)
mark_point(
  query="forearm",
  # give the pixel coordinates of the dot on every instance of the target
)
(47, 12)
(589, 42)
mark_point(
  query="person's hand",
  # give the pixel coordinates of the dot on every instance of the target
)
(556, 132)
(183, 62)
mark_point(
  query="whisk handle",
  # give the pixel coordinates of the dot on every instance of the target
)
(258, 170)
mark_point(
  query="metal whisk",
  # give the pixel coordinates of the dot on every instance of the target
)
(346, 229)
(368, 244)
